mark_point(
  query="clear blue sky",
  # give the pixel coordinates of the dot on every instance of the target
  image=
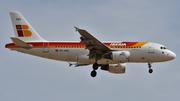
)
(29, 78)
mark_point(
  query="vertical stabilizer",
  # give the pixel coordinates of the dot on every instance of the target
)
(22, 29)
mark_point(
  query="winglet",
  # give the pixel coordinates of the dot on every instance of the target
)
(76, 28)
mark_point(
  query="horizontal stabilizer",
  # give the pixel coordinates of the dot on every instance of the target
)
(20, 43)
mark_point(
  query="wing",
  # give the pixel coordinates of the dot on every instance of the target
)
(95, 47)
(77, 64)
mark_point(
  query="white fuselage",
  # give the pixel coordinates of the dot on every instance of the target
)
(150, 52)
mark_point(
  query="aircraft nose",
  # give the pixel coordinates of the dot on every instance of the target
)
(171, 55)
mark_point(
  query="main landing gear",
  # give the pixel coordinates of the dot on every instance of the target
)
(95, 67)
(150, 70)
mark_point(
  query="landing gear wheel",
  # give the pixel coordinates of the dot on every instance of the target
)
(93, 73)
(95, 66)
(150, 71)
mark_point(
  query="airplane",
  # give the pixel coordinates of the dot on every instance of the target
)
(108, 56)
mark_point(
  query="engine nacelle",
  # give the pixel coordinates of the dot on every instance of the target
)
(120, 56)
(115, 68)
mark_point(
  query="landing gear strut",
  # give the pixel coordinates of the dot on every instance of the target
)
(150, 70)
(95, 67)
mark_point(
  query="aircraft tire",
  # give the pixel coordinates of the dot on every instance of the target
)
(150, 71)
(93, 73)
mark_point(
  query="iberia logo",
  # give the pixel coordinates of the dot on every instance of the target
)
(23, 31)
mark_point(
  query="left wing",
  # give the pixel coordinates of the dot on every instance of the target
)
(96, 48)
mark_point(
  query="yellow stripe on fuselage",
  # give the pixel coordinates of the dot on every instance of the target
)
(139, 44)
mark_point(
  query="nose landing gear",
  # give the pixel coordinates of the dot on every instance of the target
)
(150, 70)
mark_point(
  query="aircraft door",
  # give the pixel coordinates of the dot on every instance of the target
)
(46, 47)
(150, 48)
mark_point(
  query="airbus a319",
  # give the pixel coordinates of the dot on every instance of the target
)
(108, 56)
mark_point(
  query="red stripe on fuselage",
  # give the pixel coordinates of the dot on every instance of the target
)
(55, 44)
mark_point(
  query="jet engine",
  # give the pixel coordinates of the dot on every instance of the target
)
(115, 68)
(118, 56)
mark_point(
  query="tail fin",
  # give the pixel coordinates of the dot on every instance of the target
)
(22, 29)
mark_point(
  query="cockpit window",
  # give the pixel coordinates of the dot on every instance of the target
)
(163, 47)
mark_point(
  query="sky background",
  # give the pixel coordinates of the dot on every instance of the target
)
(28, 78)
